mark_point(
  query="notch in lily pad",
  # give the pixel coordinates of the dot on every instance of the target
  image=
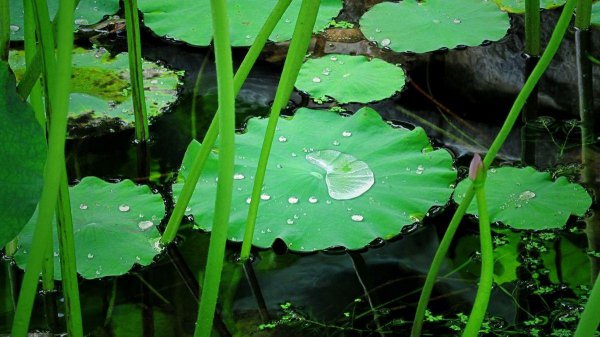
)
(430, 25)
(524, 198)
(100, 100)
(331, 181)
(347, 78)
(87, 12)
(114, 226)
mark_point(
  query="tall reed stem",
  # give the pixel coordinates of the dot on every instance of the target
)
(589, 321)
(532, 80)
(212, 133)
(4, 29)
(35, 97)
(53, 170)
(136, 75)
(218, 237)
(298, 47)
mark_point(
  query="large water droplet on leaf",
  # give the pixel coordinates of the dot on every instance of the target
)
(347, 177)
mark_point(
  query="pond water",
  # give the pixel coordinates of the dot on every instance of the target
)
(544, 275)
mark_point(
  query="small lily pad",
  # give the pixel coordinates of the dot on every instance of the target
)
(190, 20)
(23, 153)
(331, 181)
(524, 198)
(518, 6)
(87, 12)
(348, 78)
(114, 227)
(423, 26)
(101, 91)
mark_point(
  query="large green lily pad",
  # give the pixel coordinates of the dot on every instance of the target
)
(114, 227)
(331, 181)
(101, 91)
(190, 20)
(348, 78)
(596, 14)
(524, 198)
(86, 13)
(23, 153)
(419, 27)
(518, 6)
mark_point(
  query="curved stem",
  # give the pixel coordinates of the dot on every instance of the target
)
(590, 319)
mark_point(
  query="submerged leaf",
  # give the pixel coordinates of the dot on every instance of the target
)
(190, 20)
(114, 227)
(87, 12)
(524, 198)
(518, 6)
(331, 181)
(433, 24)
(101, 90)
(348, 78)
(23, 153)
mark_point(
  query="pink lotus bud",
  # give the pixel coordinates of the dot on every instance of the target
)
(476, 165)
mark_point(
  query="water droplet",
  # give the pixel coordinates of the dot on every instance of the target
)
(456, 21)
(377, 30)
(188, 209)
(293, 200)
(288, 20)
(268, 230)
(290, 221)
(436, 21)
(83, 206)
(248, 36)
(326, 71)
(386, 42)
(238, 176)
(346, 133)
(81, 21)
(279, 166)
(420, 169)
(265, 196)
(336, 143)
(313, 200)
(14, 28)
(526, 195)
(124, 208)
(248, 200)
(357, 217)
(328, 202)
(316, 79)
(97, 272)
(154, 82)
(145, 225)
(333, 58)
(138, 258)
(346, 75)
(294, 154)
(90, 256)
(282, 139)
(55, 254)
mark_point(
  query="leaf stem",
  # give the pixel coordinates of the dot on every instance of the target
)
(589, 321)
(4, 29)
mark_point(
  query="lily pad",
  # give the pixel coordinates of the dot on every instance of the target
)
(434, 24)
(331, 181)
(348, 78)
(101, 91)
(114, 227)
(524, 198)
(23, 153)
(87, 12)
(518, 6)
(596, 14)
(190, 20)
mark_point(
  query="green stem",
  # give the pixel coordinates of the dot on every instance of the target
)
(218, 237)
(583, 17)
(532, 27)
(4, 29)
(298, 47)
(484, 289)
(35, 97)
(136, 75)
(553, 44)
(212, 133)
(53, 170)
(589, 321)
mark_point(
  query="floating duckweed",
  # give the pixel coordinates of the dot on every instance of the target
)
(83, 206)
(313, 200)
(293, 200)
(145, 225)
(124, 208)
(357, 217)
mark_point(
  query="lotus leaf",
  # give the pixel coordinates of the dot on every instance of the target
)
(101, 89)
(23, 152)
(419, 27)
(348, 78)
(87, 12)
(518, 6)
(190, 21)
(596, 14)
(331, 181)
(524, 198)
(114, 227)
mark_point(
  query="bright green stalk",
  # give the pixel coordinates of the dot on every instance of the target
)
(583, 17)
(553, 44)
(68, 265)
(532, 27)
(293, 62)
(134, 47)
(589, 321)
(212, 133)
(484, 289)
(218, 237)
(35, 97)
(4, 29)
(45, 31)
(53, 170)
